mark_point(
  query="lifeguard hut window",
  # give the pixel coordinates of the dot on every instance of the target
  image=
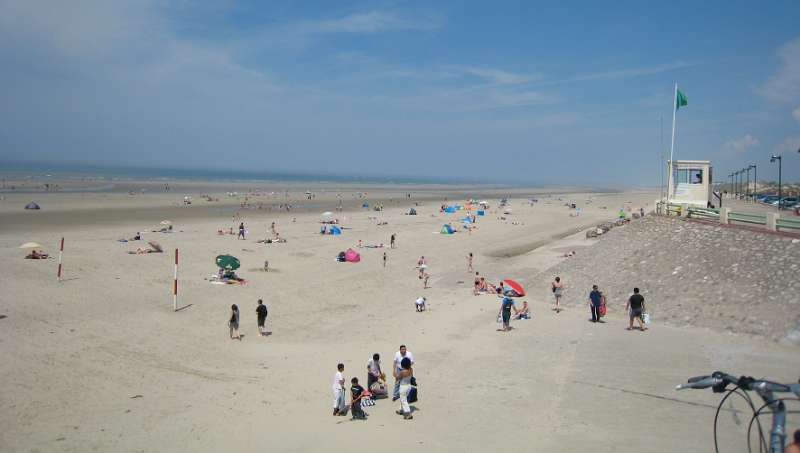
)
(688, 176)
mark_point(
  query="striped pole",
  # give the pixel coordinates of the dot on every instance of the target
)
(60, 255)
(175, 285)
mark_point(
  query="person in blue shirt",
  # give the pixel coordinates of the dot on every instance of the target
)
(506, 305)
(595, 298)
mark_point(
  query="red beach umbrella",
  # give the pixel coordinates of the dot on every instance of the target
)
(513, 285)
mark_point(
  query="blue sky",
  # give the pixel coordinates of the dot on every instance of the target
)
(566, 92)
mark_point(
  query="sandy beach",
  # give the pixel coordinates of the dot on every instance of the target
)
(100, 362)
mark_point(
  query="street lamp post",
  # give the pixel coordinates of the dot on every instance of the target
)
(747, 183)
(780, 189)
(738, 185)
(731, 186)
(755, 179)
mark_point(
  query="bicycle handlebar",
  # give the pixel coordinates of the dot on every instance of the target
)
(719, 381)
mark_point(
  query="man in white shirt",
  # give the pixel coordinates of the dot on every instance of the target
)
(338, 388)
(398, 357)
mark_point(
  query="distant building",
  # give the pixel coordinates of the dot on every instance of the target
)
(689, 183)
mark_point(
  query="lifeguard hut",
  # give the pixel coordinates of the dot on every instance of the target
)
(689, 183)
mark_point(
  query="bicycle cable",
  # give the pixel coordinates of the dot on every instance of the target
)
(757, 413)
(744, 395)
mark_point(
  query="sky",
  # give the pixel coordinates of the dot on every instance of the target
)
(518, 91)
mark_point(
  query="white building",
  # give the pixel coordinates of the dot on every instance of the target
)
(689, 183)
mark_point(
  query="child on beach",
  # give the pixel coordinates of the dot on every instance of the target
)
(420, 304)
(233, 323)
(339, 406)
(558, 287)
(356, 394)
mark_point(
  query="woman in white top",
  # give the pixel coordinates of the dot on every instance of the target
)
(404, 378)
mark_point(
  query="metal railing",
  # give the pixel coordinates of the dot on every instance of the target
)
(746, 217)
(788, 223)
(711, 214)
(703, 213)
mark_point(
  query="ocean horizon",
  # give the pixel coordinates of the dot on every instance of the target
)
(76, 171)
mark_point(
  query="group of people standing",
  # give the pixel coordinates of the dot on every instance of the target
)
(261, 319)
(635, 305)
(404, 386)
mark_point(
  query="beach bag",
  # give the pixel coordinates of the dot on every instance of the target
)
(378, 389)
(412, 395)
(646, 318)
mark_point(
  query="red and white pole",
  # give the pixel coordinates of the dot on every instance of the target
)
(60, 255)
(175, 285)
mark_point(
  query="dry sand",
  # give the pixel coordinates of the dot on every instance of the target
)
(100, 362)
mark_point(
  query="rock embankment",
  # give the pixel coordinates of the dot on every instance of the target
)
(694, 274)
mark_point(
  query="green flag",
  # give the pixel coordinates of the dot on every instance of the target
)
(680, 100)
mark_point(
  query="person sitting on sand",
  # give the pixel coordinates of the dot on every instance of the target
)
(420, 304)
(34, 255)
(484, 286)
(524, 312)
(138, 237)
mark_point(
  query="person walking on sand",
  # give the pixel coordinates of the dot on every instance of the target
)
(261, 313)
(404, 376)
(401, 354)
(241, 231)
(425, 277)
(422, 264)
(384, 259)
(338, 390)
(595, 299)
(476, 285)
(558, 288)
(392, 239)
(469, 262)
(506, 305)
(635, 307)
(233, 323)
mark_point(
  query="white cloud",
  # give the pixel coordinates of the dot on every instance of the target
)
(784, 85)
(498, 76)
(741, 145)
(790, 144)
(370, 22)
(627, 72)
(796, 114)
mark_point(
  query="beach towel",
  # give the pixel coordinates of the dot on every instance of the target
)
(366, 399)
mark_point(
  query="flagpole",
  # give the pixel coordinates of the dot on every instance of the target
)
(661, 157)
(672, 146)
